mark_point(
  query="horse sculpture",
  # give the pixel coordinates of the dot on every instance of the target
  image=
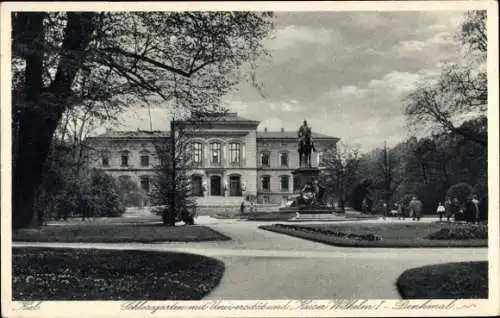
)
(306, 146)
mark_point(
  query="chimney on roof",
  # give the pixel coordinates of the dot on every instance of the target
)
(282, 129)
(265, 129)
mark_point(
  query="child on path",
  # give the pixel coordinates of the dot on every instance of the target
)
(440, 211)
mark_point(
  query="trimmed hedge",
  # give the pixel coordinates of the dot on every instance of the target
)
(464, 280)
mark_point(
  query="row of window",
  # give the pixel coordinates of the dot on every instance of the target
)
(215, 156)
(215, 153)
(266, 183)
(124, 159)
(145, 184)
(265, 158)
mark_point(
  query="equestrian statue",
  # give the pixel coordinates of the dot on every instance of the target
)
(306, 145)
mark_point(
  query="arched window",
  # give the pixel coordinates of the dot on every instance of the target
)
(144, 158)
(105, 158)
(145, 183)
(234, 153)
(284, 181)
(266, 183)
(197, 153)
(215, 153)
(284, 158)
(124, 158)
(265, 158)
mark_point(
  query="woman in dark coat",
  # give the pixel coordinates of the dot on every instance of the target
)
(470, 211)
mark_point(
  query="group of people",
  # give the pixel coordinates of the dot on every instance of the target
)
(247, 205)
(413, 209)
(468, 211)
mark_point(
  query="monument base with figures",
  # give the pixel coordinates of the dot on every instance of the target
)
(304, 176)
(309, 193)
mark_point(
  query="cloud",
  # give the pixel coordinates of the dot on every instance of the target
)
(352, 90)
(411, 46)
(345, 72)
(292, 35)
(395, 83)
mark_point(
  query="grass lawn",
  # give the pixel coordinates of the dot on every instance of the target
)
(115, 233)
(379, 234)
(88, 274)
(445, 281)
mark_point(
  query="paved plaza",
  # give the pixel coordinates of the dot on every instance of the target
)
(266, 265)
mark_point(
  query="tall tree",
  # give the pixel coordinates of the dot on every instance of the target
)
(461, 92)
(172, 189)
(115, 59)
(342, 163)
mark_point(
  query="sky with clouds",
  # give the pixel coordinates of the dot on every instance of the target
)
(345, 72)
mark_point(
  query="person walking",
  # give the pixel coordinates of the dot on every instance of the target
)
(456, 209)
(469, 211)
(242, 207)
(475, 201)
(440, 211)
(415, 207)
(364, 206)
(448, 209)
(402, 211)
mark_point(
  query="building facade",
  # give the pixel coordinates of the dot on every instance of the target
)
(230, 159)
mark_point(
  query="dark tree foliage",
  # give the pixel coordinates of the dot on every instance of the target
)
(462, 191)
(110, 60)
(428, 167)
(172, 190)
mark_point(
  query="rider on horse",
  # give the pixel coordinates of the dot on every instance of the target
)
(305, 140)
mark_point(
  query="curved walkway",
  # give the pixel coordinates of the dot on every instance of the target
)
(266, 265)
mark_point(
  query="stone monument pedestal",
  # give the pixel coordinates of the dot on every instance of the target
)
(303, 176)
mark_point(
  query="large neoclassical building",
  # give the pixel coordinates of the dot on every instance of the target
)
(230, 159)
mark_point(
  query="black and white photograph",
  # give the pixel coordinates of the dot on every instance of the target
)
(226, 159)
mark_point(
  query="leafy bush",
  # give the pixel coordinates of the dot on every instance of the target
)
(104, 198)
(461, 191)
(70, 189)
(130, 193)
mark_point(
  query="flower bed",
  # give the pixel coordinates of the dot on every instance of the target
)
(89, 274)
(327, 232)
(375, 234)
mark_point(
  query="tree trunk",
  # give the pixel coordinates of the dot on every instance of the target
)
(173, 193)
(43, 109)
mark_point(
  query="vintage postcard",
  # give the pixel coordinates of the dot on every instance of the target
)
(249, 159)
